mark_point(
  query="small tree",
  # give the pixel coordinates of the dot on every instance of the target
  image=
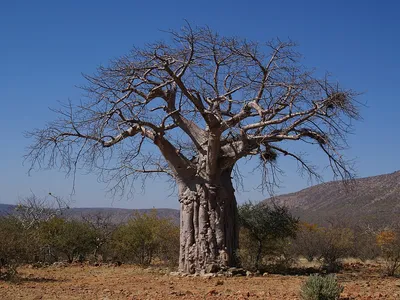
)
(168, 251)
(265, 226)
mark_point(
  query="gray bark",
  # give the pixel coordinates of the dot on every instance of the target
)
(209, 233)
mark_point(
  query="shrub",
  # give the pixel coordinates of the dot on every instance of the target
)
(264, 230)
(280, 258)
(103, 228)
(335, 244)
(69, 238)
(321, 288)
(329, 245)
(35, 237)
(168, 251)
(145, 237)
(365, 246)
(246, 254)
(307, 241)
(9, 272)
(17, 245)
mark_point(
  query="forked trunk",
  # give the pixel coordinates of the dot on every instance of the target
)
(209, 234)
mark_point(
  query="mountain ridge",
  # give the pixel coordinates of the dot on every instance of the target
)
(374, 199)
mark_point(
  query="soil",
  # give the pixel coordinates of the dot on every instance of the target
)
(129, 282)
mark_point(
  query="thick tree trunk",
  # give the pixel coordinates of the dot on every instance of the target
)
(209, 234)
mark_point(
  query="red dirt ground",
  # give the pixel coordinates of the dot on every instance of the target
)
(129, 282)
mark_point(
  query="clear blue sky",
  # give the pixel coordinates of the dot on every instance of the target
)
(46, 45)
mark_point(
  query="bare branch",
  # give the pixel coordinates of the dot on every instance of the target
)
(203, 102)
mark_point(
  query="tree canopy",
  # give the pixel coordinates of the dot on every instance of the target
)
(205, 101)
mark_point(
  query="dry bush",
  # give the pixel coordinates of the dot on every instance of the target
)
(365, 246)
(328, 244)
(307, 241)
(389, 242)
(335, 244)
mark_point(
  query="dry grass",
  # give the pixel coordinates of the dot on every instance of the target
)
(129, 282)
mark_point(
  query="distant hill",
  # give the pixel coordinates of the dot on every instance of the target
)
(120, 215)
(117, 215)
(6, 209)
(374, 200)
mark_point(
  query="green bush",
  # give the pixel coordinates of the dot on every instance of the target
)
(17, 245)
(145, 237)
(69, 238)
(264, 233)
(321, 288)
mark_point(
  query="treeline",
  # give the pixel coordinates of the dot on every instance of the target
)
(271, 240)
(143, 239)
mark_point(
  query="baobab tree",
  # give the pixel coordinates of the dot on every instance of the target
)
(192, 108)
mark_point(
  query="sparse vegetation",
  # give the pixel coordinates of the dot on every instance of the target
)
(103, 229)
(365, 246)
(206, 116)
(321, 288)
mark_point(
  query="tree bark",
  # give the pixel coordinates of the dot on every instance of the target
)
(259, 251)
(209, 233)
